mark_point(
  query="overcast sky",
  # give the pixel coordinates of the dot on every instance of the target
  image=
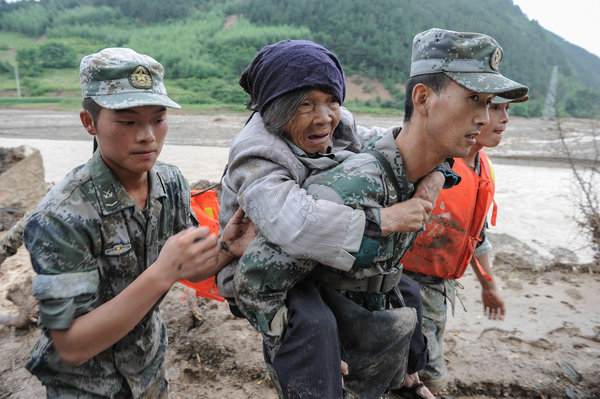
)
(576, 21)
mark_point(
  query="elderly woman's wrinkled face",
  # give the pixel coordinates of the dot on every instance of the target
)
(312, 126)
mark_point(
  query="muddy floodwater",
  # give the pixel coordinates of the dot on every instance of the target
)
(535, 190)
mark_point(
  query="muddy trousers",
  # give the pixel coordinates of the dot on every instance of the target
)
(434, 327)
(307, 362)
(436, 294)
(418, 355)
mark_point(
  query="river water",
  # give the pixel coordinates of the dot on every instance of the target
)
(534, 187)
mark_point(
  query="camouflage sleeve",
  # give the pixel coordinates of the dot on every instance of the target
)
(67, 279)
(367, 134)
(178, 190)
(356, 183)
(292, 219)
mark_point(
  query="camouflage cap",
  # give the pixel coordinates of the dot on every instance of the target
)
(502, 100)
(118, 78)
(470, 59)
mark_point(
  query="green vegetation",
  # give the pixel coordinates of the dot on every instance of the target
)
(583, 103)
(11, 41)
(206, 44)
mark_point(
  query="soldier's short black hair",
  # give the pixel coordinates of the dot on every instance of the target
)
(92, 107)
(435, 81)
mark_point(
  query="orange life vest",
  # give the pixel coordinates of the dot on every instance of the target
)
(446, 246)
(206, 207)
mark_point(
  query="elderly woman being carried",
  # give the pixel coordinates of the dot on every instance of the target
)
(298, 130)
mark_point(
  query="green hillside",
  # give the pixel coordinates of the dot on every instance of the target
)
(205, 44)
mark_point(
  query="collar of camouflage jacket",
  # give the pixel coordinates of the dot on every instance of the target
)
(111, 194)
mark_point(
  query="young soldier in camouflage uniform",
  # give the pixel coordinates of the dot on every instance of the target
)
(454, 77)
(110, 239)
(454, 236)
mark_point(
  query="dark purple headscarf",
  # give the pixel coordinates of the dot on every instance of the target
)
(289, 65)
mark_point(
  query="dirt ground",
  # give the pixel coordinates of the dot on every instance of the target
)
(548, 346)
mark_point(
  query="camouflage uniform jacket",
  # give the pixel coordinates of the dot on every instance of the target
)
(88, 241)
(360, 182)
(264, 175)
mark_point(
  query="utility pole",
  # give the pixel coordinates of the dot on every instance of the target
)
(17, 79)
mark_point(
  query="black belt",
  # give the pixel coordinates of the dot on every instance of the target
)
(380, 283)
(424, 278)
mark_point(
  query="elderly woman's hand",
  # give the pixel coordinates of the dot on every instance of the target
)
(238, 234)
(411, 215)
(429, 187)
(405, 216)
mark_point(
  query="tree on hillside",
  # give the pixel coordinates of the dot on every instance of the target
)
(56, 55)
(29, 18)
(33, 60)
(28, 63)
(583, 103)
